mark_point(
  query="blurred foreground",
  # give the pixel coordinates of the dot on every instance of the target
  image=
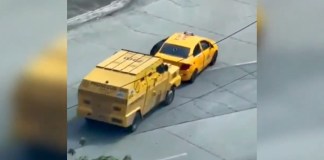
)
(39, 106)
(290, 80)
(29, 95)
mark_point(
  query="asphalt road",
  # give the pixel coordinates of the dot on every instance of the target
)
(214, 118)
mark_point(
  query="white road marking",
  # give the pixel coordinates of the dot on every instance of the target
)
(244, 63)
(238, 64)
(175, 156)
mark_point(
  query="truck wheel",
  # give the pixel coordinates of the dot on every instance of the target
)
(193, 76)
(213, 61)
(137, 120)
(169, 97)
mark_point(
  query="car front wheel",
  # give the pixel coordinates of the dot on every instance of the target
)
(213, 61)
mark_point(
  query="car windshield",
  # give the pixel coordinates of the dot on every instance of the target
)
(175, 50)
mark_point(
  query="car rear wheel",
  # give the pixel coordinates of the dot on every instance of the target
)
(137, 120)
(213, 61)
(169, 97)
(193, 76)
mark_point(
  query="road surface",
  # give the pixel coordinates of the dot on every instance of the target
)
(214, 118)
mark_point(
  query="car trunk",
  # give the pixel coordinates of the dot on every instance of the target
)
(177, 61)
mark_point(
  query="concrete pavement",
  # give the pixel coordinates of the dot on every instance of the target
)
(231, 136)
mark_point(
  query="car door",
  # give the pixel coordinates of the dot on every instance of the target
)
(206, 51)
(198, 58)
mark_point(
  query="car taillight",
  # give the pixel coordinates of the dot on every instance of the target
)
(184, 67)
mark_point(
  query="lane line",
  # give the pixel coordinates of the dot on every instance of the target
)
(245, 63)
(175, 156)
(229, 65)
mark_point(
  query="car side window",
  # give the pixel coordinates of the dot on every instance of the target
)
(205, 45)
(197, 50)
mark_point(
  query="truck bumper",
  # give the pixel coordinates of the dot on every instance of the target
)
(185, 75)
(121, 121)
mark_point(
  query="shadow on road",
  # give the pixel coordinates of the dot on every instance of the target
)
(94, 132)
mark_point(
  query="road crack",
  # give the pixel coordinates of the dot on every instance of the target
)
(180, 23)
(142, 32)
(189, 121)
(203, 29)
(182, 5)
(238, 31)
(243, 2)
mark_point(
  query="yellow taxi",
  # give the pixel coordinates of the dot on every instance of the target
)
(190, 52)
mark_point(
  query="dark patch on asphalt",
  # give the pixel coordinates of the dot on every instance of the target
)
(77, 7)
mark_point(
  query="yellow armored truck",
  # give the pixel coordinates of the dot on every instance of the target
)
(125, 87)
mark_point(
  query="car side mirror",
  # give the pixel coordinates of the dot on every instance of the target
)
(166, 68)
(160, 69)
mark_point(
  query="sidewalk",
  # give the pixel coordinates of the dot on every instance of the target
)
(77, 7)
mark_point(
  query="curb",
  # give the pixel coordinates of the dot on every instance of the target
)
(109, 9)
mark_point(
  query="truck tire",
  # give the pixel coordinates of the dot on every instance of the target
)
(169, 97)
(193, 76)
(213, 61)
(137, 120)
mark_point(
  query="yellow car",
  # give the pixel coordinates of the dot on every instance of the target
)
(190, 52)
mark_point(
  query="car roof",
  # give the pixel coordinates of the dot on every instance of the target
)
(129, 62)
(185, 40)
